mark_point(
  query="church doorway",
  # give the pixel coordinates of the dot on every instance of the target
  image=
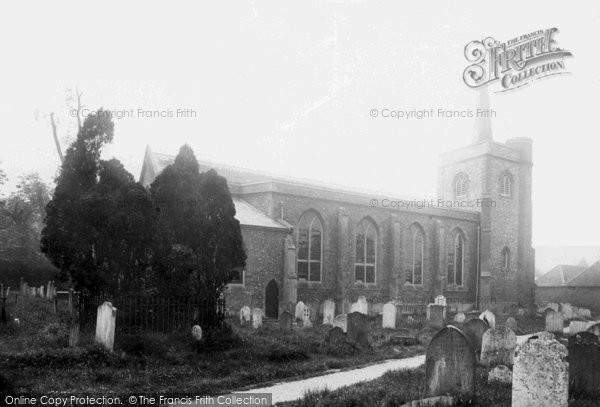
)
(272, 300)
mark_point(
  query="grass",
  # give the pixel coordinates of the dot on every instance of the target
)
(150, 363)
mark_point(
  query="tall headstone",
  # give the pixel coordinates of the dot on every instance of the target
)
(540, 374)
(389, 316)
(474, 330)
(306, 320)
(328, 312)
(245, 315)
(498, 347)
(449, 363)
(554, 321)
(341, 321)
(285, 321)
(106, 320)
(489, 317)
(357, 328)
(436, 315)
(584, 363)
(299, 310)
(257, 318)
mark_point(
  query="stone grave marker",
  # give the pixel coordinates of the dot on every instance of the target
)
(197, 333)
(595, 329)
(336, 337)
(511, 323)
(577, 326)
(389, 316)
(498, 347)
(449, 363)
(474, 330)
(357, 328)
(436, 315)
(106, 321)
(306, 321)
(340, 321)
(489, 317)
(257, 318)
(460, 317)
(584, 363)
(440, 300)
(554, 321)
(361, 305)
(540, 374)
(245, 315)
(299, 314)
(285, 321)
(328, 312)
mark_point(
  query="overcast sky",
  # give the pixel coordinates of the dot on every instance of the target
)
(287, 87)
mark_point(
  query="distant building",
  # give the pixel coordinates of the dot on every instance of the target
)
(577, 285)
(309, 241)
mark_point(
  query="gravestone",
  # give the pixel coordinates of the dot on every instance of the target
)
(540, 374)
(474, 330)
(567, 311)
(389, 316)
(336, 337)
(197, 333)
(554, 321)
(245, 315)
(436, 315)
(285, 321)
(460, 318)
(306, 321)
(440, 300)
(449, 363)
(489, 317)
(357, 328)
(511, 323)
(106, 320)
(361, 305)
(584, 363)
(257, 318)
(595, 329)
(498, 347)
(341, 321)
(299, 310)
(328, 312)
(577, 326)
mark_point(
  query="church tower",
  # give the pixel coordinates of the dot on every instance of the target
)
(495, 179)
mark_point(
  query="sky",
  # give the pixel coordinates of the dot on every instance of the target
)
(288, 87)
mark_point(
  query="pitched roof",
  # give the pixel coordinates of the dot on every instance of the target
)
(248, 215)
(588, 278)
(559, 276)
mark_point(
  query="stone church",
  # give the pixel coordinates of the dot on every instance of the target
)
(310, 242)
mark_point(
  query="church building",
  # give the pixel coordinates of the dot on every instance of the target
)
(309, 242)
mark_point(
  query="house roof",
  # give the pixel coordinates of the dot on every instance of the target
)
(588, 278)
(559, 276)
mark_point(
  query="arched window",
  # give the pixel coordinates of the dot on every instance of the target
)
(456, 261)
(461, 186)
(366, 252)
(415, 270)
(506, 184)
(506, 259)
(310, 247)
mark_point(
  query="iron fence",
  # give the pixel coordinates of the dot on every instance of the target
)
(153, 313)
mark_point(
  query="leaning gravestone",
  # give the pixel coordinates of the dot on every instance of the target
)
(460, 317)
(449, 363)
(577, 326)
(595, 329)
(245, 315)
(299, 310)
(498, 347)
(540, 374)
(257, 318)
(389, 316)
(306, 321)
(328, 312)
(357, 328)
(106, 321)
(285, 321)
(341, 322)
(511, 323)
(336, 337)
(584, 363)
(474, 330)
(554, 321)
(489, 317)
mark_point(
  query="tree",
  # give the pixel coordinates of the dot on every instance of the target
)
(198, 240)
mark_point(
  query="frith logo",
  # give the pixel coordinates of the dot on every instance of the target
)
(514, 63)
